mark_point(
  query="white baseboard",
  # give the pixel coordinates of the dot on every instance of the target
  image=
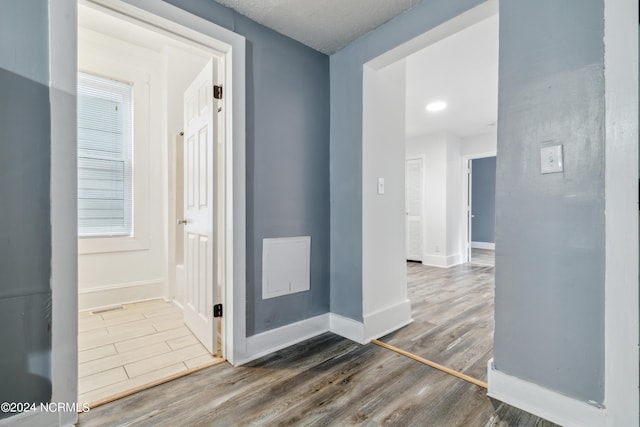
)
(545, 403)
(276, 339)
(435, 260)
(386, 320)
(375, 325)
(483, 245)
(347, 328)
(122, 293)
(442, 260)
(453, 260)
(178, 304)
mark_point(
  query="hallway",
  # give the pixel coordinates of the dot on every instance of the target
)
(329, 380)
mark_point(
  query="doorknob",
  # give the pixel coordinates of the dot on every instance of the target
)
(181, 221)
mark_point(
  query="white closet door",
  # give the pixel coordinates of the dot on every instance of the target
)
(414, 209)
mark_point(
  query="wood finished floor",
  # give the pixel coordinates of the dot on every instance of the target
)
(331, 381)
(124, 349)
(483, 257)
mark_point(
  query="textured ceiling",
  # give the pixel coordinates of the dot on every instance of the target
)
(325, 25)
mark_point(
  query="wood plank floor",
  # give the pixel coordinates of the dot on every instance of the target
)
(123, 349)
(483, 257)
(331, 381)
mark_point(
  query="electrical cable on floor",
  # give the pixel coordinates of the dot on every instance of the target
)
(432, 364)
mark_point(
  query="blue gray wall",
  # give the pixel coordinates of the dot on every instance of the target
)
(25, 232)
(483, 199)
(287, 160)
(346, 142)
(549, 323)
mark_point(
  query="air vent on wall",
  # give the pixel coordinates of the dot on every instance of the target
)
(285, 266)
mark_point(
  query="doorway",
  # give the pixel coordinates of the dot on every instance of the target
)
(451, 113)
(480, 180)
(138, 324)
(441, 102)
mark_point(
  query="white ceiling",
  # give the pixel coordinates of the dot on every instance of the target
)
(325, 25)
(96, 20)
(461, 70)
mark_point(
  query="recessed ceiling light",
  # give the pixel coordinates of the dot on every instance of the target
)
(436, 106)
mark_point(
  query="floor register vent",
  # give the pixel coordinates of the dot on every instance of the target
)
(108, 309)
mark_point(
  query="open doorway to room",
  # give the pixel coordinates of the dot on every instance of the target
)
(451, 112)
(481, 212)
(445, 97)
(151, 205)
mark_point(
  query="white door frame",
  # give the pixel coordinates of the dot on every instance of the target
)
(176, 23)
(466, 195)
(621, 368)
(64, 262)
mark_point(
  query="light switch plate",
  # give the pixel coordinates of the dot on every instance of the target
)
(380, 185)
(551, 159)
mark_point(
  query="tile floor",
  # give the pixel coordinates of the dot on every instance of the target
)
(124, 349)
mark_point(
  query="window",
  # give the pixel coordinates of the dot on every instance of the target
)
(105, 147)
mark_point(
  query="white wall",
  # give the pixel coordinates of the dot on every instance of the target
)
(444, 189)
(442, 197)
(110, 270)
(384, 275)
(485, 143)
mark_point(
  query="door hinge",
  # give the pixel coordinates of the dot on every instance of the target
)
(217, 310)
(217, 92)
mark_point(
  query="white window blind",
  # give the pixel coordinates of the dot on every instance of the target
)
(105, 143)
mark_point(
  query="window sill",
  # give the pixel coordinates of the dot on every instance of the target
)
(97, 245)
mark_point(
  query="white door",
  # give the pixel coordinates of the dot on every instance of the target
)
(414, 208)
(200, 205)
